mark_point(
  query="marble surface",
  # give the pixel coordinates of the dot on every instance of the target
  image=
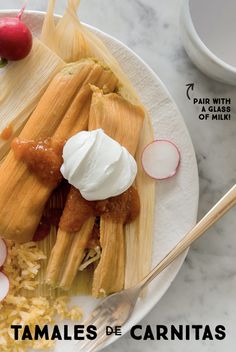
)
(205, 289)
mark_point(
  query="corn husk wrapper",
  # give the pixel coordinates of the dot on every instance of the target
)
(138, 235)
(63, 37)
(22, 83)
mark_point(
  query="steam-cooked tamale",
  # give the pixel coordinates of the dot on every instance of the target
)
(122, 121)
(119, 118)
(60, 113)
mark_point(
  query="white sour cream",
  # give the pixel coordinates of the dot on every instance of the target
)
(97, 165)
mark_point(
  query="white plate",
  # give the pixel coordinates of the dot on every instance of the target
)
(177, 198)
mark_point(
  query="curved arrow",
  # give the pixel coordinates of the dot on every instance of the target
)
(190, 86)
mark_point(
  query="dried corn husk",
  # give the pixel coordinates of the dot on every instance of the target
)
(21, 86)
(138, 235)
(90, 44)
(110, 272)
(64, 38)
(122, 121)
(76, 253)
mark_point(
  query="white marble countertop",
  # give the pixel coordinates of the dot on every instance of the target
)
(205, 289)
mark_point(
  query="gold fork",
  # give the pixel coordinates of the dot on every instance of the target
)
(116, 309)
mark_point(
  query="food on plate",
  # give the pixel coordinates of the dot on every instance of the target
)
(62, 111)
(22, 83)
(139, 232)
(76, 207)
(15, 38)
(122, 121)
(25, 302)
(6, 133)
(97, 165)
(161, 159)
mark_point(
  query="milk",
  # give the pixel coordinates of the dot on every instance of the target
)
(215, 23)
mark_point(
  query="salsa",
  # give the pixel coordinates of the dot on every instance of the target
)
(43, 158)
(123, 208)
(6, 133)
(77, 211)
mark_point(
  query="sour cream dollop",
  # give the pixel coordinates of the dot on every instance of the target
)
(97, 165)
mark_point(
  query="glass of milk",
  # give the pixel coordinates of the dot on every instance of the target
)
(208, 29)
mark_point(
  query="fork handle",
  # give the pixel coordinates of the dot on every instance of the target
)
(224, 204)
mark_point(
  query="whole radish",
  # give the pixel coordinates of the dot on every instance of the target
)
(15, 38)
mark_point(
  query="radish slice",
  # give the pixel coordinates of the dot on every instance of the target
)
(3, 252)
(161, 159)
(4, 286)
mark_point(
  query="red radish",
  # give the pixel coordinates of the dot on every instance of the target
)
(15, 38)
(4, 286)
(161, 159)
(3, 252)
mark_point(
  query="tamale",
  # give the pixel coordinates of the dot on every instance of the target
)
(64, 276)
(81, 223)
(122, 121)
(138, 234)
(110, 272)
(22, 83)
(23, 195)
(76, 254)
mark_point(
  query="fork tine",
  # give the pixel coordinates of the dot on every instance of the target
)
(93, 320)
(93, 347)
(95, 315)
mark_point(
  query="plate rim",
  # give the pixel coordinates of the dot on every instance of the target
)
(129, 324)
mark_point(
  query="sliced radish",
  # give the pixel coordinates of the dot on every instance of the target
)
(161, 159)
(3, 252)
(4, 286)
